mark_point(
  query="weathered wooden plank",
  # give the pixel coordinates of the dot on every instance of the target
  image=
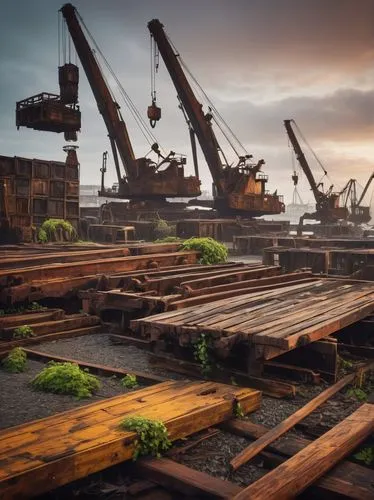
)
(6, 346)
(273, 388)
(30, 317)
(96, 368)
(64, 257)
(303, 469)
(45, 454)
(76, 269)
(184, 479)
(71, 322)
(253, 449)
(346, 478)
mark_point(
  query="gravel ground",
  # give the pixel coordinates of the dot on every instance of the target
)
(19, 403)
(99, 349)
(213, 457)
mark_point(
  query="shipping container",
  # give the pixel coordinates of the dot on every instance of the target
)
(72, 189)
(72, 209)
(40, 187)
(57, 189)
(41, 170)
(56, 208)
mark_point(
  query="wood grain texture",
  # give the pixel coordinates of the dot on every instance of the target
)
(50, 452)
(293, 476)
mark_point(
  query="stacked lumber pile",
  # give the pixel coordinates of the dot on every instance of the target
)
(268, 323)
(143, 294)
(28, 277)
(44, 324)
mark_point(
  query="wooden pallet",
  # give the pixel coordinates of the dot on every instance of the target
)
(272, 322)
(50, 452)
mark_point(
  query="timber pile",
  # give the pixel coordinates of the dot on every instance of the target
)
(46, 324)
(143, 294)
(270, 323)
(60, 274)
(50, 452)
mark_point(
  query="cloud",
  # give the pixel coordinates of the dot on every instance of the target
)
(261, 61)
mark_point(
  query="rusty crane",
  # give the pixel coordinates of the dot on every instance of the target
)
(238, 189)
(144, 180)
(327, 202)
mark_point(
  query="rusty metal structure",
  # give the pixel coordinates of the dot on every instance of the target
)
(327, 203)
(239, 189)
(359, 214)
(33, 190)
(47, 112)
(144, 180)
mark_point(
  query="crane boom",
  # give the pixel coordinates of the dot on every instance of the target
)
(108, 108)
(302, 160)
(193, 108)
(365, 189)
(238, 189)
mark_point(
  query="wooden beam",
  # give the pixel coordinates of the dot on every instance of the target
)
(253, 449)
(107, 371)
(273, 388)
(6, 346)
(185, 480)
(293, 476)
(347, 478)
(47, 453)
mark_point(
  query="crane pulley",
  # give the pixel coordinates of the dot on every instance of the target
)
(153, 111)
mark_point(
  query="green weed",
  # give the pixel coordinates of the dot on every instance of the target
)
(152, 436)
(211, 251)
(66, 378)
(23, 332)
(16, 360)
(129, 381)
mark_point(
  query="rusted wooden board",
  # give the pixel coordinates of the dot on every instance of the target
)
(254, 448)
(96, 368)
(273, 321)
(75, 269)
(6, 346)
(50, 258)
(50, 452)
(303, 469)
(179, 477)
(70, 322)
(346, 478)
(30, 317)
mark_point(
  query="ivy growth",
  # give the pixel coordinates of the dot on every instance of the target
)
(211, 251)
(23, 332)
(356, 392)
(366, 455)
(152, 436)
(129, 381)
(162, 229)
(49, 227)
(16, 360)
(201, 354)
(66, 378)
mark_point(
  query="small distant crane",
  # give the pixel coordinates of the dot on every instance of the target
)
(327, 202)
(358, 214)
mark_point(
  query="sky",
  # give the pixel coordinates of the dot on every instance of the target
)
(260, 62)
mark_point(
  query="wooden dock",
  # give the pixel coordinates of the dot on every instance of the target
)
(47, 453)
(271, 322)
